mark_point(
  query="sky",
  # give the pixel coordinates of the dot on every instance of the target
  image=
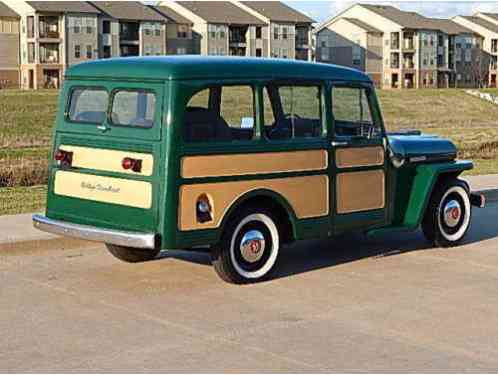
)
(322, 10)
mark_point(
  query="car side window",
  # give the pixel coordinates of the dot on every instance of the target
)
(352, 113)
(220, 114)
(133, 108)
(292, 111)
(88, 105)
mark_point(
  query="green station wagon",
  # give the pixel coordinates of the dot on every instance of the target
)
(240, 156)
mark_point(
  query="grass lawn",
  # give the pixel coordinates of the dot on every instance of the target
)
(27, 118)
(22, 199)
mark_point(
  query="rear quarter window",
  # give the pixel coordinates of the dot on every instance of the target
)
(88, 105)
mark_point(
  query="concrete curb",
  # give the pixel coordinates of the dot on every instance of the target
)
(18, 231)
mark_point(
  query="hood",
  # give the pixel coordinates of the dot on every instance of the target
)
(421, 148)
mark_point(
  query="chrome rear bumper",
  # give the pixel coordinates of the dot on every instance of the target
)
(85, 232)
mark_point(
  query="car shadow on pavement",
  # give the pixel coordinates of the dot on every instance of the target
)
(311, 255)
(306, 256)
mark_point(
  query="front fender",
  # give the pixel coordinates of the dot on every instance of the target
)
(424, 183)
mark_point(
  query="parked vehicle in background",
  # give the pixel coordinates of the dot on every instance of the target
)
(242, 156)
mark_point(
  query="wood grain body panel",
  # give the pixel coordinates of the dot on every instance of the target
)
(360, 191)
(251, 164)
(359, 157)
(307, 195)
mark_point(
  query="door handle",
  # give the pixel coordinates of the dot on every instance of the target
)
(335, 143)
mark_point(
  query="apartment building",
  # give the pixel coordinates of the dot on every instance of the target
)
(288, 31)
(485, 24)
(353, 43)
(130, 28)
(416, 51)
(220, 28)
(461, 62)
(179, 40)
(44, 36)
(9, 47)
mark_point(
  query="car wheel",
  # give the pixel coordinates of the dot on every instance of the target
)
(448, 215)
(130, 254)
(249, 247)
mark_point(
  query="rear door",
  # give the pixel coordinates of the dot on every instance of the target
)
(359, 159)
(110, 133)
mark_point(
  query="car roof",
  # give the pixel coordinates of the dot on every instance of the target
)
(210, 67)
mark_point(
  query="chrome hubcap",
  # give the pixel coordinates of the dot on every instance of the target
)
(252, 246)
(452, 213)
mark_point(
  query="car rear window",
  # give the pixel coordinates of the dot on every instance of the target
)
(88, 105)
(133, 108)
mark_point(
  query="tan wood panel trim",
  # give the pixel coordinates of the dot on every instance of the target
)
(307, 195)
(360, 191)
(359, 157)
(249, 164)
(104, 189)
(108, 160)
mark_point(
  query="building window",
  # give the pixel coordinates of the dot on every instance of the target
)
(182, 32)
(325, 54)
(275, 32)
(77, 25)
(258, 32)
(468, 55)
(89, 52)
(285, 53)
(181, 51)
(107, 52)
(284, 32)
(147, 50)
(157, 31)
(259, 52)
(106, 27)
(221, 32)
(147, 29)
(77, 51)
(212, 31)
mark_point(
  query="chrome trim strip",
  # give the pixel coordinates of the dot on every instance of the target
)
(85, 232)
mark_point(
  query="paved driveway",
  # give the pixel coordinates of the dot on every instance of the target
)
(352, 304)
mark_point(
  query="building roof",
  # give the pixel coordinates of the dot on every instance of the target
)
(128, 10)
(362, 25)
(214, 67)
(171, 15)
(409, 20)
(450, 27)
(5, 11)
(278, 11)
(63, 6)
(482, 22)
(490, 15)
(221, 12)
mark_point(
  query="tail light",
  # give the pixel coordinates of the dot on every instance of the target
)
(63, 158)
(134, 164)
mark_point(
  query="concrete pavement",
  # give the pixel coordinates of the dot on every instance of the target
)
(349, 304)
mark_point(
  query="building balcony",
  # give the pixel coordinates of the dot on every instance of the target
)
(47, 34)
(408, 44)
(394, 65)
(237, 42)
(409, 65)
